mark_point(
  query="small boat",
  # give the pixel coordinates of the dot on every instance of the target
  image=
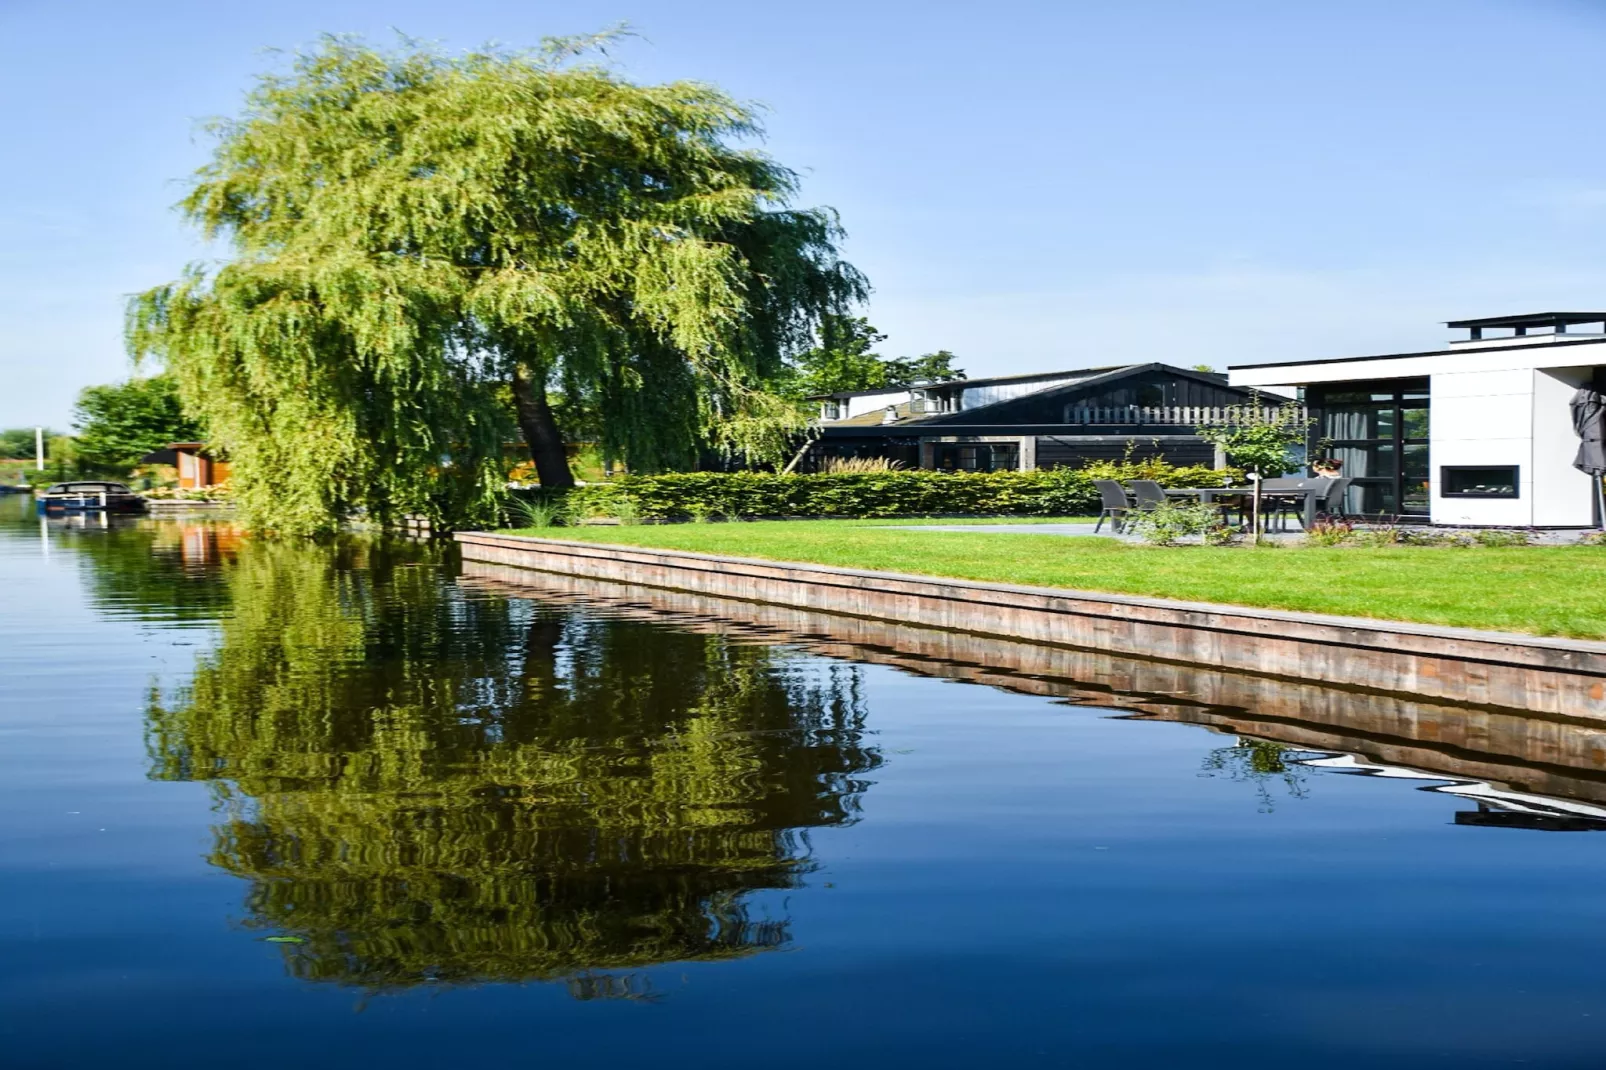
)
(89, 496)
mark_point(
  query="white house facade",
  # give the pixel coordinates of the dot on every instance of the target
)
(1479, 433)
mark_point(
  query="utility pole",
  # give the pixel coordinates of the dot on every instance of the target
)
(39, 448)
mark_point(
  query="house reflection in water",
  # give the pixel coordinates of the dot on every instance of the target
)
(203, 544)
(1496, 807)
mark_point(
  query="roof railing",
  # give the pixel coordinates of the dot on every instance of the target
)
(1170, 415)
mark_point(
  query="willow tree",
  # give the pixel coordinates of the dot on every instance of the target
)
(420, 238)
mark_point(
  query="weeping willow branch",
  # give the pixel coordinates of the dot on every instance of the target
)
(410, 231)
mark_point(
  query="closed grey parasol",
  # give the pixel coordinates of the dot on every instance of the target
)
(1589, 420)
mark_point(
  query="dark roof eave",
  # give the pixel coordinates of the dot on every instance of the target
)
(1530, 319)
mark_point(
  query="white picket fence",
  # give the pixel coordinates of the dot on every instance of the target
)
(1172, 415)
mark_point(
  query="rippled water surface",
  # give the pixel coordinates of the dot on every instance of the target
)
(269, 805)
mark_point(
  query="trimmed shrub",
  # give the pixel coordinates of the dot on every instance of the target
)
(861, 495)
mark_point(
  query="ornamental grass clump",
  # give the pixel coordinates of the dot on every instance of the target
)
(536, 513)
(1170, 523)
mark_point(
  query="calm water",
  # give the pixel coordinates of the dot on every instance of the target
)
(296, 806)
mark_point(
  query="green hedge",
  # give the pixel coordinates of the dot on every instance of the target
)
(695, 495)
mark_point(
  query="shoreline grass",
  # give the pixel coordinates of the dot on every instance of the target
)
(1539, 590)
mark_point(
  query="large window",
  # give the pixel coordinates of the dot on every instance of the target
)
(1380, 431)
(978, 457)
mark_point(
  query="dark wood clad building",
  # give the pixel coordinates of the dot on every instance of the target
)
(1046, 420)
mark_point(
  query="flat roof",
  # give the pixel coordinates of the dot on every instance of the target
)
(1518, 343)
(1531, 319)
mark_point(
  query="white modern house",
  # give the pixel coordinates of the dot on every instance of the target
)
(1479, 433)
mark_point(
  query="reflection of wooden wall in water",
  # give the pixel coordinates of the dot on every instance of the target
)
(1525, 751)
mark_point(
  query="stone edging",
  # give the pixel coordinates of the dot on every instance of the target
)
(1513, 671)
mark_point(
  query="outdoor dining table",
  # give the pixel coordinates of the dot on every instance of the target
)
(1207, 495)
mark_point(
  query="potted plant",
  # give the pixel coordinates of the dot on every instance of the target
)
(1328, 467)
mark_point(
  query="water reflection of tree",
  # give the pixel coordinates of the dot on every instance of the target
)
(424, 785)
(1261, 763)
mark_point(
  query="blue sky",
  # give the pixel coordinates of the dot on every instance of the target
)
(1031, 185)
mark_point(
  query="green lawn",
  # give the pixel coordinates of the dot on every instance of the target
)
(1544, 590)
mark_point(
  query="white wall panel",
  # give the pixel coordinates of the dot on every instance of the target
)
(1562, 495)
(1457, 384)
(1472, 426)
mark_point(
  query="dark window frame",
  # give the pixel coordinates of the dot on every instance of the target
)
(1402, 396)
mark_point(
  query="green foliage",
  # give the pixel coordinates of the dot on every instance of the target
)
(1492, 537)
(119, 423)
(415, 232)
(1170, 522)
(931, 368)
(1330, 533)
(1260, 762)
(843, 358)
(1051, 492)
(62, 460)
(1258, 440)
(1261, 441)
(1342, 533)
(17, 443)
(529, 513)
(425, 785)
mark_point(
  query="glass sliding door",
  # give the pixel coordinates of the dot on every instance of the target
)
(1380, 431)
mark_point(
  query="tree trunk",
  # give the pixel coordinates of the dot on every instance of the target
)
(540, 430)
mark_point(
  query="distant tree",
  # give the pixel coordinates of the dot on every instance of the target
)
(932, 368)
(62, 460)
(17, 443)
(421, 238)
(1207, 369)
(845, 359)
(119, 423)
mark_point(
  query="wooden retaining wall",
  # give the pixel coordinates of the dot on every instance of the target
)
(1518, 750)
(1564, 677)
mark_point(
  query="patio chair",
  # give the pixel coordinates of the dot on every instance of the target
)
(1146, 493)
(1281, 507)
(1332, 504)
(1114, 503)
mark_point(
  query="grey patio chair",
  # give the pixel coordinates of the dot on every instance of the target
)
(1281, 508)
(1333, 503)
(1114, 505)
(1146, 493)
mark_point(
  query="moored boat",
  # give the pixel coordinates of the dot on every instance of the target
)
(89, 496)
